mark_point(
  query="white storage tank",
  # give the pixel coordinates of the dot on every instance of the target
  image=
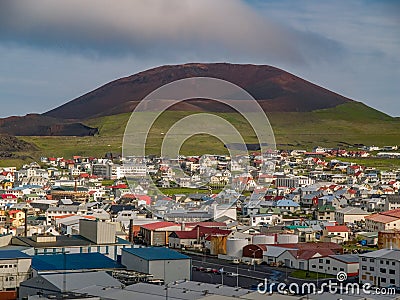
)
(234, 247)
(287, 238)
(263, 239)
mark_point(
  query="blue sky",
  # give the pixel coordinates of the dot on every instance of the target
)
(52, 51)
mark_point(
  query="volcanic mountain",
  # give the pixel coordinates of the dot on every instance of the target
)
(273, 88)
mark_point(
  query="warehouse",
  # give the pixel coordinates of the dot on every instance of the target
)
(162, 263)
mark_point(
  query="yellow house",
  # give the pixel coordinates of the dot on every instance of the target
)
(17, 218)
(6, 185)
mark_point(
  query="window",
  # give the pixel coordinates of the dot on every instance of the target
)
(391, 271)
(371, 268)
(383, 279)
(387, 262)
(393, 263)
(321, 260)
(371, 260)
(334, 269)
(328, 261)
(341, 269)
(364, 259)
(392, 281)
(382, 270)
(363, 267)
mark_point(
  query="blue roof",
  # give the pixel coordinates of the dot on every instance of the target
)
(73, 261)
(10, 254)
(156, 253)
(287, 203)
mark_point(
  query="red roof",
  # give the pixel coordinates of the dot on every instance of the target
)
(308, 254)
(14, 211)
(206, 224)
(118, 186)
(338, 228)
(310, 246)
(8, 196)
(158, 225)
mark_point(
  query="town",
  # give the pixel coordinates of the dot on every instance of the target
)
(121, 227)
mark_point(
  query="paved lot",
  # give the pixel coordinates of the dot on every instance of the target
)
(249, 276)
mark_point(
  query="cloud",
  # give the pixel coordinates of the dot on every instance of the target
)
(154, 28)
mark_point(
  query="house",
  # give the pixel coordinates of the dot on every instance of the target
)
(17, 217)
(194, 237)
(325, 212)
(341, 231)
(383, 221)
(350, 214)
(7, 200)
(392, 202)
(63, 210)
(287, 205)
(156, 233)
(264, 219)
(162, 263)
(380, 268)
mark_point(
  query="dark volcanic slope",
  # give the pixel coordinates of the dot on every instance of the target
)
(39, 125)
(275, 89)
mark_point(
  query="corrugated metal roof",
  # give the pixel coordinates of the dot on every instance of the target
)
(347, 258)
(73, 261)
(11, 254)
(156, 253)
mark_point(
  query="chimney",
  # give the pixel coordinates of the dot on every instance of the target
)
(25, 210)
(130, 238)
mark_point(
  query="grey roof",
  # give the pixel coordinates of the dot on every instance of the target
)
(383, 253)
(75, 281)
(350, 210)
(185, 290)
(73, 208)
(274, 251)
(347, 258)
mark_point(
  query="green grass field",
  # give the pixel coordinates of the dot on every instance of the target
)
(347, 124)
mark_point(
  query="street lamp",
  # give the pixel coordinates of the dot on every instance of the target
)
(254, 256)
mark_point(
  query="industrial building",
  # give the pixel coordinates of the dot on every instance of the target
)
(380, 268)
(162, 263)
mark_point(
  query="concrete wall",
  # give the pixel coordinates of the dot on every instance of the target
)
(97, 232)
(134, 263)
(171, 270)
(13, 272)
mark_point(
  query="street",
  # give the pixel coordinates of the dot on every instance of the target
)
(249, 276)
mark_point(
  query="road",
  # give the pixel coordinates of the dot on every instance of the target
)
(249, 276)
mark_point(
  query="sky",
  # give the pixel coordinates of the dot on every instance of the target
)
(52, 51)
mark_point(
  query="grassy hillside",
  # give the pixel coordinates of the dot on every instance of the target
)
(346, 124)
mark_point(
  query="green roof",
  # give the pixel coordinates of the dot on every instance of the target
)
(291, 227)
(325, 208)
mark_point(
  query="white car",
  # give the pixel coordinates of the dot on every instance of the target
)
(231, 274)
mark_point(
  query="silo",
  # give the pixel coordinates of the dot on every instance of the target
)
(263, 239)
(287, 239)
(389, 239)
(234, 247)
